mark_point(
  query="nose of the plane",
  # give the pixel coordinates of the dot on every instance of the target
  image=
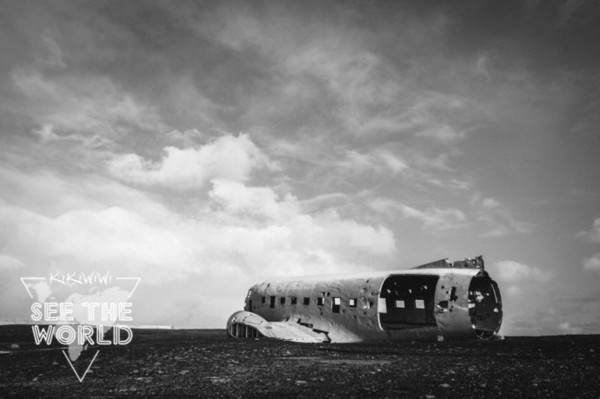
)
(485, 306)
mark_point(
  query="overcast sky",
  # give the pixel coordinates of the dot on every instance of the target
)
(205, 146)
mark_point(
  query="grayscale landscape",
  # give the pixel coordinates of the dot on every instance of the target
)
(331, 172)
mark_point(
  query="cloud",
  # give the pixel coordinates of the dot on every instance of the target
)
(187, 138)
(261, 202)
(357, 78)
(570, 8)
(228, 157)
(343, 105)
(314, 71)
(490, 203)
(443, 133)
(234, 236)
(86, 105)
(566, 327)
(433, 115)
(310, 233)
(479, 200)
(492, 212)
(432, 218)
(481, 68)
(324, 201)
(86, 239)
(393, 162)
(378, 161)
(514, 272)
(593, 235)
(592, 264)
(8, 262)
(49, 54)
(505, 227)
(520, 286)
(47, 134)
(541, 321)
(315, 66)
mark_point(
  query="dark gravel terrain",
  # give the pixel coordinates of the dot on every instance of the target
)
(206, 363)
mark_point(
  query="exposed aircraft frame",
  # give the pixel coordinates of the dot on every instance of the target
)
(435, 301)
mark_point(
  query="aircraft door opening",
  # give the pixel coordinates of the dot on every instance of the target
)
(407, 302)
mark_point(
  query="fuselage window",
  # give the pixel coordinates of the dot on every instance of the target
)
(336, 304)
(293, 300)
(400, 304)
(382, 305)
(419, 304)
(306, 301)
(352, 302)
(365, 303)
(282, 300)
(263, 299)
(320, 301)
(272, 301)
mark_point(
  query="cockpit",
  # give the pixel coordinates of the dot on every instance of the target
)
(485, 306)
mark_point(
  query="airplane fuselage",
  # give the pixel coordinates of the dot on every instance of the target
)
(433, 301)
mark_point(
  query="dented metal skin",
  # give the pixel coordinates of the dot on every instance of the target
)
(436, 301)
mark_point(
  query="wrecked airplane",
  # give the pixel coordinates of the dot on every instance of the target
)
(435, 301)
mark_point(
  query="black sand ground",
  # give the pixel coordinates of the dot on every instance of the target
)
(206, 363)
